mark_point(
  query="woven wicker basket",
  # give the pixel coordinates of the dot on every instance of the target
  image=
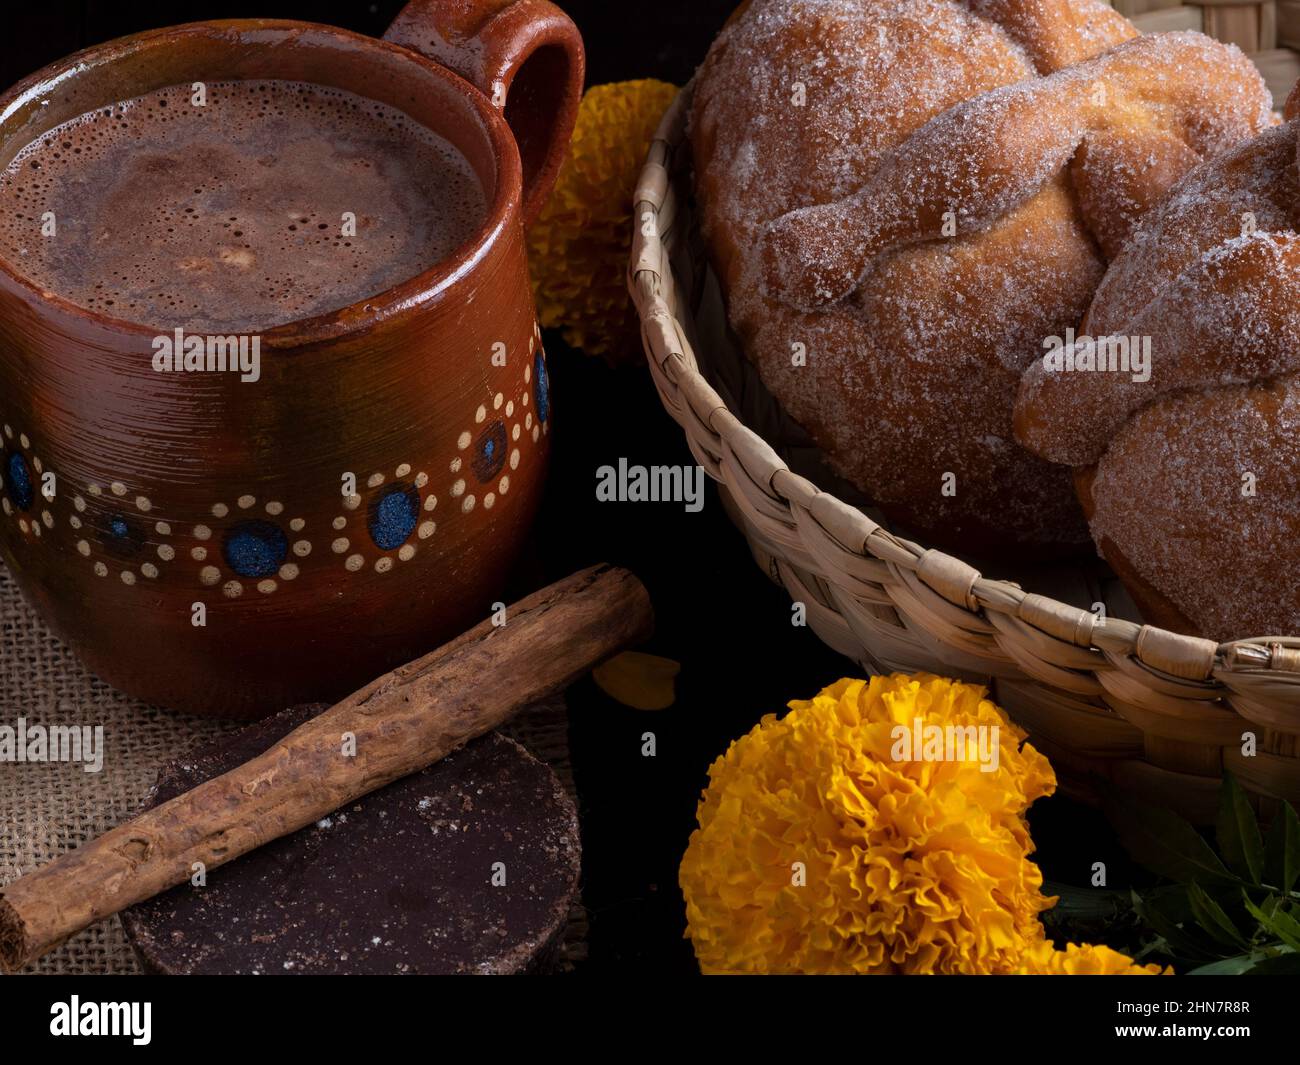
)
(1158, 714)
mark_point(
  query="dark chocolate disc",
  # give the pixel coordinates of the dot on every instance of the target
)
(469, 866)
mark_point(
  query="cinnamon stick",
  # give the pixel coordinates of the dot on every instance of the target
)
(402, 722)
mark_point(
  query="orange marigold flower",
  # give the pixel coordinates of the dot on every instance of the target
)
(1084, 959)
(579, 246)
(821, 851)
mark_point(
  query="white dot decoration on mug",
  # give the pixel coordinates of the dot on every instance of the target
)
(23, 486)
(389, 523)
(249, 544)
(259, 549)
(119, 532)
(492, 449)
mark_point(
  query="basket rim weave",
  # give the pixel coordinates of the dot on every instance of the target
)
(1207, 691)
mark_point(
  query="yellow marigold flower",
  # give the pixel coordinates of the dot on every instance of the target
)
(1084, 959)
(579, 246)
(821, 851)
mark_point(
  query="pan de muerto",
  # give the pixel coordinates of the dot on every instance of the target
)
(905, 199)
(1191, 477)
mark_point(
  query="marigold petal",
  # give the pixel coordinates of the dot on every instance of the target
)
(580, 243)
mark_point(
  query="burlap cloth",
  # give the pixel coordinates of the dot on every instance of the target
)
(49, 808)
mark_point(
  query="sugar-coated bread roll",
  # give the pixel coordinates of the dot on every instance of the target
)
(905, 199)
(1188, 471)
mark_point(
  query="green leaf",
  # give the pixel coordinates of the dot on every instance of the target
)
(1282, 851)
(1275, 919)
(1155, 945)
(1286, 927)
(1081, 902)
(1237, 832)
(1170, 900)
(1211, 917)
(1163, 842)
(1281, 965)
(1168, 928)
(1234, 966)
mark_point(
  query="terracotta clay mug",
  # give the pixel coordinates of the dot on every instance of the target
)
(197, 543)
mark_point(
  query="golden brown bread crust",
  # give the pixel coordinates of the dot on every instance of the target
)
(826, 222)
(1156, 608)
(1190, 478)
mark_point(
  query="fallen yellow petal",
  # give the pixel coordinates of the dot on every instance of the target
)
(641, 681)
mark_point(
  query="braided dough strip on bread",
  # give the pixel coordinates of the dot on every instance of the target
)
(985, 157)
(1218, 323)
(1189, 478)
(1227, 310)
(1057, 33)
(912, 382)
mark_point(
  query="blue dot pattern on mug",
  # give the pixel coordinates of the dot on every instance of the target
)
(396, 516)
(255, 549)
(20, 481)
(490, 452)
(112, 527)
(131, 542)
(393, 516)
(541, 387)
(20, 469)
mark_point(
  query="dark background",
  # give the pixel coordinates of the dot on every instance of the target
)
(717, 613)
(665, 40)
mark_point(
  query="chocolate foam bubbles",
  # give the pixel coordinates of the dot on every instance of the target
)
(271, 202)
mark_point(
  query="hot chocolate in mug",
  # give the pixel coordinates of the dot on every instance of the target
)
(228, 524)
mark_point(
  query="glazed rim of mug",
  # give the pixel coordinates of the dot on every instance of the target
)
(283, 50)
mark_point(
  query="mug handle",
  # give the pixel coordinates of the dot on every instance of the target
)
(526, 56)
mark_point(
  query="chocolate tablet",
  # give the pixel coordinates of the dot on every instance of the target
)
(469, 866)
